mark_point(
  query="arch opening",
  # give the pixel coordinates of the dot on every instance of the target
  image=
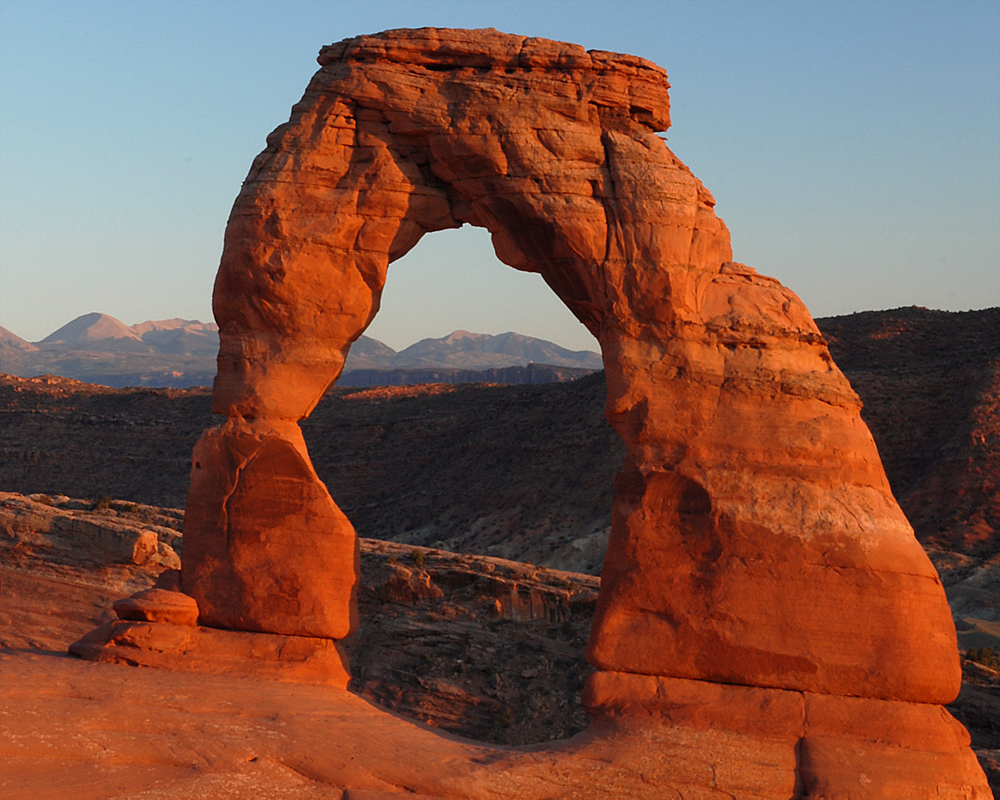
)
(526, 473)
(452, 280)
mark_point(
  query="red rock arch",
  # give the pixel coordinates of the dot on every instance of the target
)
(755, 540)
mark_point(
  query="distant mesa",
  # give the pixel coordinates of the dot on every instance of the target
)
(180, 353)
(90, 328)
(97, 348)
(102, 332)
(484, 351)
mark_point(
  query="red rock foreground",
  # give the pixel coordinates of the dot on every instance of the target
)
(73, 729)
(83, 730)
(762, 594)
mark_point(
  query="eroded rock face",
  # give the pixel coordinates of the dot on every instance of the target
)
(754, 541)
(266, 549)
(551, 148)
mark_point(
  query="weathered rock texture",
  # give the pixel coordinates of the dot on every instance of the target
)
(268, 549)
(37, 522)
(158, 605)
(191, 648)
(754, 537)
(844, 747)
(752, 509)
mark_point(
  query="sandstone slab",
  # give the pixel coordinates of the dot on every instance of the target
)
(186, 648)
(106, 729)
(86, 533)
(843, 746)
(158, 605)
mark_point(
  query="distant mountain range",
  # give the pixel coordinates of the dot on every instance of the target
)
(179, 353)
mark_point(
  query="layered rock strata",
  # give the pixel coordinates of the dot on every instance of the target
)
(820, 746)
(754, 539)
(89, 534)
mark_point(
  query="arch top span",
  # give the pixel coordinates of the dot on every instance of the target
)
(628, 84)
(550, 147)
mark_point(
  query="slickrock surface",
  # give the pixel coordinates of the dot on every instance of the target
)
(85, 730)
(483, 647)
(752, 501)
(107, 731)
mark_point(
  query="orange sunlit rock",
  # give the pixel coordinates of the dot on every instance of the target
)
(265, 547)
(755, 538)
(761, 590)
(158, 605)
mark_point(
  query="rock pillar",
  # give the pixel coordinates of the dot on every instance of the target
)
(265, 547)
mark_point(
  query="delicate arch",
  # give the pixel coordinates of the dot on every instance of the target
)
(739, 428)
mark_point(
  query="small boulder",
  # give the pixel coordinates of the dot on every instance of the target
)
(158, 605)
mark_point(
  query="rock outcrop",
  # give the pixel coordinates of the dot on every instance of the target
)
(85, 533)
(754, 542)
(451, 661)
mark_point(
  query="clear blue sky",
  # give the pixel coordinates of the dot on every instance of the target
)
(853, 148)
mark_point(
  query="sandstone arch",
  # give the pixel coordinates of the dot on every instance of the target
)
(767, 624)
(755, 540)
